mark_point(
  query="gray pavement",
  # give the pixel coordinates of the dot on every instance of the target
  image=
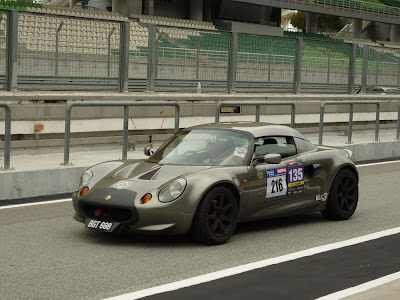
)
(45, 254)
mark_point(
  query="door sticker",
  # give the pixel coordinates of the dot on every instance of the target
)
(276, 183)
(295, 175)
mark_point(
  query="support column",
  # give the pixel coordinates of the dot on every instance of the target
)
(357, 28)
(148, 7)
(262, 15)
(72, 3)
(196, 10)
(395, 33)
(120, 6)
(312, 23)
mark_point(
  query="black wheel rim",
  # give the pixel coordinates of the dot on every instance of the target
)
(347, 194)
(220, 215)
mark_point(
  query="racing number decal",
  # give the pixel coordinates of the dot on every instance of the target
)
(276, 183)
(295, 179)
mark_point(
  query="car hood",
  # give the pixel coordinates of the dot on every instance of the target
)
(156, 172)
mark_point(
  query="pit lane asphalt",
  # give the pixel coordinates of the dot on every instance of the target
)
(45, 254)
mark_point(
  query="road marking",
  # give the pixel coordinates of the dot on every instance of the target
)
(35, 203)
(379, 163)
(252, 266)
(362, 287)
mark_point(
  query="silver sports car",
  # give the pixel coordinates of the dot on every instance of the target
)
(206, 179)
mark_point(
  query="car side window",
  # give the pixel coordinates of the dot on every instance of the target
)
(283, 145)
(304, 146)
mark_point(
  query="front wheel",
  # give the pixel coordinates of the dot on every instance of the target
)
(343, 196)
(216, 217)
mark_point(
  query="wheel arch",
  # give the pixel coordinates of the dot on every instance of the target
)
(351, 168)
(228, 185)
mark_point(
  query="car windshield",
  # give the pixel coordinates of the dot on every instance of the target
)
(205, 147)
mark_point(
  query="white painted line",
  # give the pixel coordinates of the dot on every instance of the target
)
(35, 203)
(252, 266)
(379, 163)
(362, 287)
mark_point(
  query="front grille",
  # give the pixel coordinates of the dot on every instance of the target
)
(108, 214)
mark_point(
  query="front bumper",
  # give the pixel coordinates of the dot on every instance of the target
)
(124, 207)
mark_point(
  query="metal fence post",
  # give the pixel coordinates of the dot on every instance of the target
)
(232, 61)
(378, 110)
(7, 135)
(321, 123)
(349, 136)
(57, 46)
(258, 110)
(364, 74)
(151, 58)
(124, 56)
(398, 123)
(297, 65)
(125, 133)
(109, 51)
(352, 68)
(12, 50)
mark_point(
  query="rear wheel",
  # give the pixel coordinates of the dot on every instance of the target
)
(343, 196)
(216, 217)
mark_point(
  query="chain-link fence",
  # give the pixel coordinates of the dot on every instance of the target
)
(138, 52)
(71, 52)
(3, 47)
(383, 66)
(265, 59)
(325, 62)
(192, 56)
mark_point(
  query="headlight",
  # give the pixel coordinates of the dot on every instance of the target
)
(85, 177)
(172, 191)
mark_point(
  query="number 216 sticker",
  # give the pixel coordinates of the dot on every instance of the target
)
(276, 183)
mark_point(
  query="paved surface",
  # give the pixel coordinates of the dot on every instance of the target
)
(45, 254)
(89, 158)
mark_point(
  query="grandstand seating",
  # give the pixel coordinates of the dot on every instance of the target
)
(367, 5)
(18, 5)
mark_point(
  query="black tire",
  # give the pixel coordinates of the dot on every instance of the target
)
(343, 196)
(216, 217)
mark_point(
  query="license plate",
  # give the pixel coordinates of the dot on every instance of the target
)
(101, 225)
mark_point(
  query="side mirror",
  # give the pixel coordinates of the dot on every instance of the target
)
(148, 151)
(272, 158)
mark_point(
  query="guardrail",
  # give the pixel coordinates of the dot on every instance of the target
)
(258, 105)
(7, 135)
(351, 103)
(126, 105)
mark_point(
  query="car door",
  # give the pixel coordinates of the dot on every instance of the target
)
(276, 188)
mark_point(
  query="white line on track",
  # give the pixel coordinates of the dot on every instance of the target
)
(252, 266)
(362, 287)
(379, 163)
(35, 203)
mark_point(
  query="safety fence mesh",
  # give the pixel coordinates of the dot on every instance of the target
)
(265, 59)
(192, 56)
(325, 62)
(66, 50)
(383, 66)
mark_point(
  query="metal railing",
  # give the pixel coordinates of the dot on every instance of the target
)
(351, 103)
(126, 105)
(7, 135)
(258, 105)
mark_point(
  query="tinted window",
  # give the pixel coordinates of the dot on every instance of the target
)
(304, 146)
(283, 145)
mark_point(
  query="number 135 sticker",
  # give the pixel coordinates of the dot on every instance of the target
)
(276, 183)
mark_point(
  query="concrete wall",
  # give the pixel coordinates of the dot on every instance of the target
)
(249, 28)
